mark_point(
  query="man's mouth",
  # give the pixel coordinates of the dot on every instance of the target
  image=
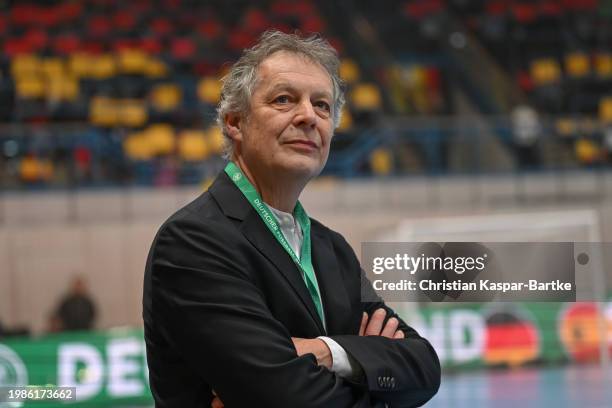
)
(302, 143)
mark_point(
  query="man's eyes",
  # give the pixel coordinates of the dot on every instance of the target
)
(323, 105)
(282, 99)
(285, 99)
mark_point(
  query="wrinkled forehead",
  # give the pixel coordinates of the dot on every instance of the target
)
(286, 65)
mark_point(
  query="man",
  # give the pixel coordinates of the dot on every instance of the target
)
(247, 301)
(76, 310)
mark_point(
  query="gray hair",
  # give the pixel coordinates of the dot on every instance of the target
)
(239, 83)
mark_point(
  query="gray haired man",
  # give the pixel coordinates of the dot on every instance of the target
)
(250, 302)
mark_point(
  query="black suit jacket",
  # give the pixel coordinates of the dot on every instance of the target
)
(222, 300)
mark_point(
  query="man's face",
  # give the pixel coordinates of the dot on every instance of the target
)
(290, 124)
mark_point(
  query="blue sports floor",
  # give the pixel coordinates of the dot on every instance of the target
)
(558, 387)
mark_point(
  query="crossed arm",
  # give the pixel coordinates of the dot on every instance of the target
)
(369, 327)
(207, 307)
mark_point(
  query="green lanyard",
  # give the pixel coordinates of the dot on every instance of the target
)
(305, 261)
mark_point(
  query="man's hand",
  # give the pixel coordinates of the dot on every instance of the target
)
(315, 346)
(374, 325)
(369, 327)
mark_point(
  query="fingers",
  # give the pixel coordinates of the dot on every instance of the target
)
(399, 335)
(376, 323)
(390, 328)
(216, 403)
(364, 323)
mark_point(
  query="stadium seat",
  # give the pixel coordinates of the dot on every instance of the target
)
(155, 68)
(132, 61)
(209, 90)
(349, 71)
(30, 87)
(366, 97)
(346, 121)
(62, 88)
(103, 66)
(132, 113)
(137, 147)
(381, 161)
(545, 71)
(603, 65)
(192, 145)
(565, 127)
(587, 151)
(161, 139)
(166, 97)
(25, 65)
(103, 111)
(605, 109)
(577, 64)
(216, 140)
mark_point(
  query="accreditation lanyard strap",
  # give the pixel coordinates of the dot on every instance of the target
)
(304, 262)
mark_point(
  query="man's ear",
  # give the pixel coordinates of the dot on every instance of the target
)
(233, 121)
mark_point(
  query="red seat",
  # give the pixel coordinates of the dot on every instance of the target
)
(255, 20)
(161, 26)
(240, 39)
(36, 39)
(183, 48)
(209, 29)
(66, 44)
(124, 20)
(99, 26)
(313, 24)
(524, 12)
(15, 46)
(550, 8)
(496, 8)
(151, 45)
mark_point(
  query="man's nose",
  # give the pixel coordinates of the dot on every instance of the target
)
(305, 115)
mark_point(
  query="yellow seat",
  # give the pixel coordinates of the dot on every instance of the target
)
(132, 61)
(155, 68)
(166, 97)
(63, 88)
(103, 66)
(346, 120)
(366, 96)
(137, 147)
(29, 169)
(103, 111)
(566, 127)
(45, 170)
(133, 113)
(381, 161)
(605, 109)
(209, 90)
(161, 138)
(577, 64)
(587, 151)
(25, 65)
(30, 87)
(349, 71)
(545, 71)
(603, 65)
(216, 140)
(52, 67)
(80, 65)
(193, 146)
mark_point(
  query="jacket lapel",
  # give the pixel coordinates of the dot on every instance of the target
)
(335, 299)
(235, 205)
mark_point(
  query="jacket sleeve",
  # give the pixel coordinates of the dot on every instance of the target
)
(400, 372)
(207, 307)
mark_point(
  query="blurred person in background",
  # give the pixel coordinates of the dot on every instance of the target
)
(248, 301)
(76, 310)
